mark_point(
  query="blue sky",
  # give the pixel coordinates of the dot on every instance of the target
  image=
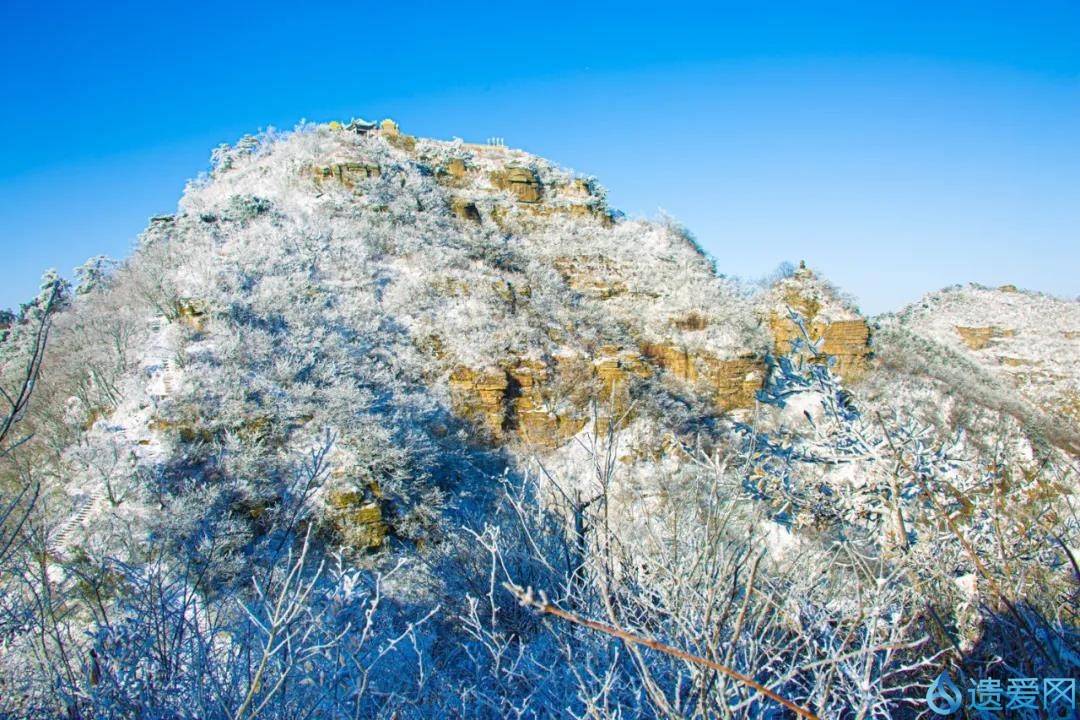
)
(897, 147)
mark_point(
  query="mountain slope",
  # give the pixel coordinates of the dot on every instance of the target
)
(455, 365)
(1029, 340)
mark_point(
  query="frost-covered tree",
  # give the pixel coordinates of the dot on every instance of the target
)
(93, 273)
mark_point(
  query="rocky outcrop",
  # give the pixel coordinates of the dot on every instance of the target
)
(455, 173)
(480, 396)
(843, 333)
(978, 338)
(465, 210)
(528, 400)
(733, 382)
(522, 183)
(614, 367)
(393, 135)
(348, 174)
(848, 341)
(544, 404)
(357, 516)
(478, 177)
(534, 410)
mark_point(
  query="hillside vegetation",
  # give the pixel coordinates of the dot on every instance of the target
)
(341, 433)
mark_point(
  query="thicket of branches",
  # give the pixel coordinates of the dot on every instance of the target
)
(849, 619)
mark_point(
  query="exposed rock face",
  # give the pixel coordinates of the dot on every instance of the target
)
(539, 308)
(358, 518)
(978, 338)
(536, 414)
(480, 395)
(845, 335)
(615, 366)
(846, 340)
(455, 173)
(545, 404)
(520, 181)
(733, 382)
(532, 195)
(465, 210)
(393, 135)
(349, 174)
(529, 400)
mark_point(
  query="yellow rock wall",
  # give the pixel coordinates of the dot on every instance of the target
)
(521, 182)
(544, 405)
(846, 340)
(734, 381)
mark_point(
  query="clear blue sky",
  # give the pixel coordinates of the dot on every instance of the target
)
(898, 147)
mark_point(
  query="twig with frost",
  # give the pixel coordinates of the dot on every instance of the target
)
(528, 599)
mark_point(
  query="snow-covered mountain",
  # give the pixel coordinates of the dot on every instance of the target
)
(455, 294)
(1029, 340)
(352, 333)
